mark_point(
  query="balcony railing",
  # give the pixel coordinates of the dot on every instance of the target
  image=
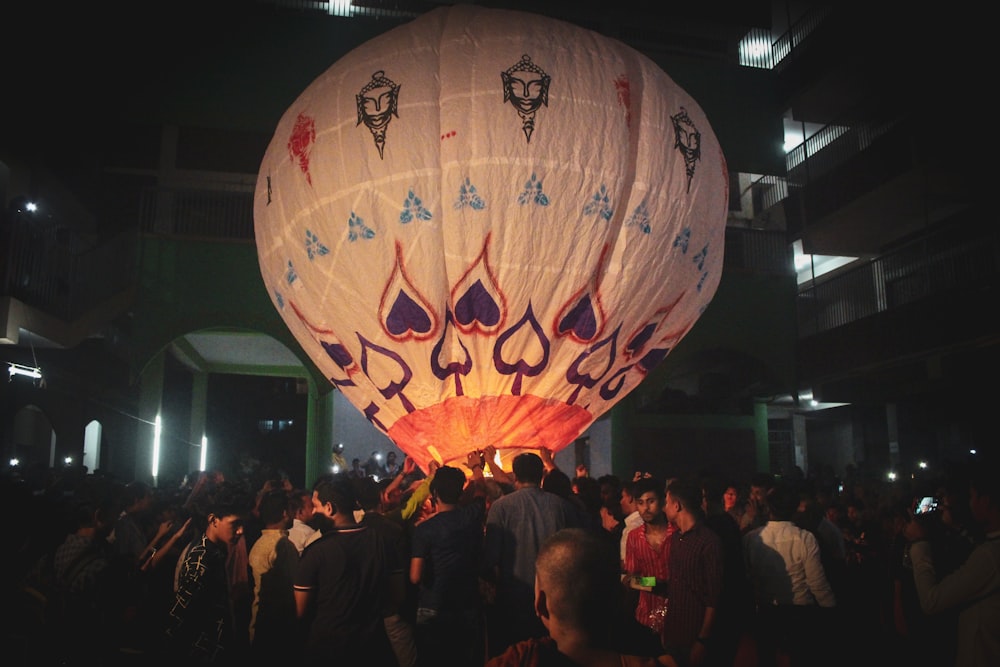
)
(63, 272)
(758, 251)
(377, 9)
(933, 265)
(829, 148)
(758, 50)
(225, 212)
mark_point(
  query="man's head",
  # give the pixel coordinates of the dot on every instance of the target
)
(137, 497)
(528, 468)
(627, 499)
(335, 497)
(226, 511)
(273, 509)
(577, 581)
(683, 497)
(783, 501)
(760, 485)
(300, 505)
(648, 493)
(447, 485)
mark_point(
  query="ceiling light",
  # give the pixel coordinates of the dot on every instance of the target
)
(27, 371)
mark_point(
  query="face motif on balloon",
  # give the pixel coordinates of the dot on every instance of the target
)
(526, 87)
(468, 287)
(378, 102)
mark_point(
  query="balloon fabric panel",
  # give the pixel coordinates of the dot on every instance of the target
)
(486, 227)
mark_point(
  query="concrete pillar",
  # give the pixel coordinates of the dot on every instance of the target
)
(622, 460)
(319, 433)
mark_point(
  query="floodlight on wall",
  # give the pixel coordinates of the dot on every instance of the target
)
(33, 372)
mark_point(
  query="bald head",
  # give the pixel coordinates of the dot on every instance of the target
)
(579, 574)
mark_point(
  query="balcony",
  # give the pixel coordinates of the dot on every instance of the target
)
(926, 305)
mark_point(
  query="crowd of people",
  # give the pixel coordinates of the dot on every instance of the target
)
(472, 565)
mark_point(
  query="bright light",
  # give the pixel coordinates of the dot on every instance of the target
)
(339, 7)
(27, 371)
(892, 476)
(972, 451)
(378, 457)
(336, 468)
(31, 207)
(14, 462)
(204, 453)
(68, 460)
(814, 402)
(157, 429)
(922, 465)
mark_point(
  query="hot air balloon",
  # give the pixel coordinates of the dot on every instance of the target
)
(487, 226)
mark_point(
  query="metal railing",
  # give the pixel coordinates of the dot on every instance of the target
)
(757, 49)
(63, 272)
(830, 147)
(377, 9)
(758, 251)
(225, 212)
(933, 265)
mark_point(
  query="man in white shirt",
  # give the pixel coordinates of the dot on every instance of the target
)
(788, 581)
(301, 508)
(631, 513)
(974, 587)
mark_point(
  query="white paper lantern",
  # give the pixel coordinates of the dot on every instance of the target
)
(487, 226)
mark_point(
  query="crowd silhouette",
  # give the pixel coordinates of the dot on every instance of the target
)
(441, 567)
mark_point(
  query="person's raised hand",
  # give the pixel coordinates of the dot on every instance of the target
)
(546, 455)
(490, 453)
(473, 460)
(184, 527)
(409, 465)
(164, 528)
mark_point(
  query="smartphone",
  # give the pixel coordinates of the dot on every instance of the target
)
(926, 504)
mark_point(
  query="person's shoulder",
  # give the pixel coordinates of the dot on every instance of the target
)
(535, 651)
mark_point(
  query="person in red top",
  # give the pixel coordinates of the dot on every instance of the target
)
(647, 554)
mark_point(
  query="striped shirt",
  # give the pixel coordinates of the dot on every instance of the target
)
(695, 583)
(643, 560)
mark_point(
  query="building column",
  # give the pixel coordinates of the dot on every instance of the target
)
(319, 433)
(621, 449)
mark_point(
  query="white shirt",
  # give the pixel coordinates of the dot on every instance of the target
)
(632, 521)
(797, 577)
(974, 588)
(300, 534)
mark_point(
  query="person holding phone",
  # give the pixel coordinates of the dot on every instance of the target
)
(974, 587)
